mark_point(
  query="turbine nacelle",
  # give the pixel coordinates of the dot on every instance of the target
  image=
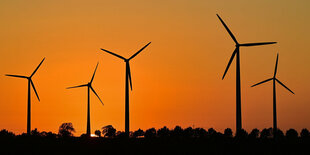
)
(274, 78)
(89, 84)
(128, 76)
(238, 45)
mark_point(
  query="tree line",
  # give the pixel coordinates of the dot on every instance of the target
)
(175, 140)
(67, 130)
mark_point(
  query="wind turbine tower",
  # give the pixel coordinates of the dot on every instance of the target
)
(236, 54)
(89, 87)
(274, 80)
(127, 81)
(30, 84)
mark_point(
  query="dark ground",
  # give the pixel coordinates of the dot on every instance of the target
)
(164, 145)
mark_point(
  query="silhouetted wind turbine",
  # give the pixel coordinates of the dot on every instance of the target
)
(89, 86)
(29, 96)
(274, 79)
(127, 78)
(238, 83)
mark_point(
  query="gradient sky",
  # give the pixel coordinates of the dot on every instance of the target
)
(176, 80)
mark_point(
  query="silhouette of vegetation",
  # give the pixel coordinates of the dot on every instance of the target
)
(161, 141)
(211, 132)
(98, 133)
(6, 134)
(266, 133)
(66, 130)
(279, 134)
(241, 135)
(228, 132)
(254, 134)
(200, 132)
(150, 133)
(163, 132)
(108, 131)
(291, 134)
(138, 133)
(304, 133)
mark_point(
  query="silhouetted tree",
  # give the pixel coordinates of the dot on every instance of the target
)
(108, 131)
(241, 134)
(121, 135)
(163, 132)
(291, 134)
(6, 134)
(43, 134)
(200, 132)
(98, 133)
(35, 132)
(304, 133)
(150, 133)
(188, 132)
(212, 132)
(228, 132)
(138, 133)
(177, 132)
(66, 129)
(279, 134)
(254, 134)
(48, 135)
(266, 133)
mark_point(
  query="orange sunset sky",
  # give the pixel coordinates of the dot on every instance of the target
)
(176, 80)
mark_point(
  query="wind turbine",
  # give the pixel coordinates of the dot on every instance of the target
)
(236, 54)
(89, 87)
(274, 80)
(127, 78)
(29, 96)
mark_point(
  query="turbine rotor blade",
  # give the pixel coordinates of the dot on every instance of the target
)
(18, 76)
(257, 44)
(96, 94)
(94, 73)
(78, 86)
(37, 68)
(129, 75)
(139, 51)
(113, 54)
(285, 86)
(230, 61)
(276, 67)
(227, 29)
(34, 89)
(262, 82)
